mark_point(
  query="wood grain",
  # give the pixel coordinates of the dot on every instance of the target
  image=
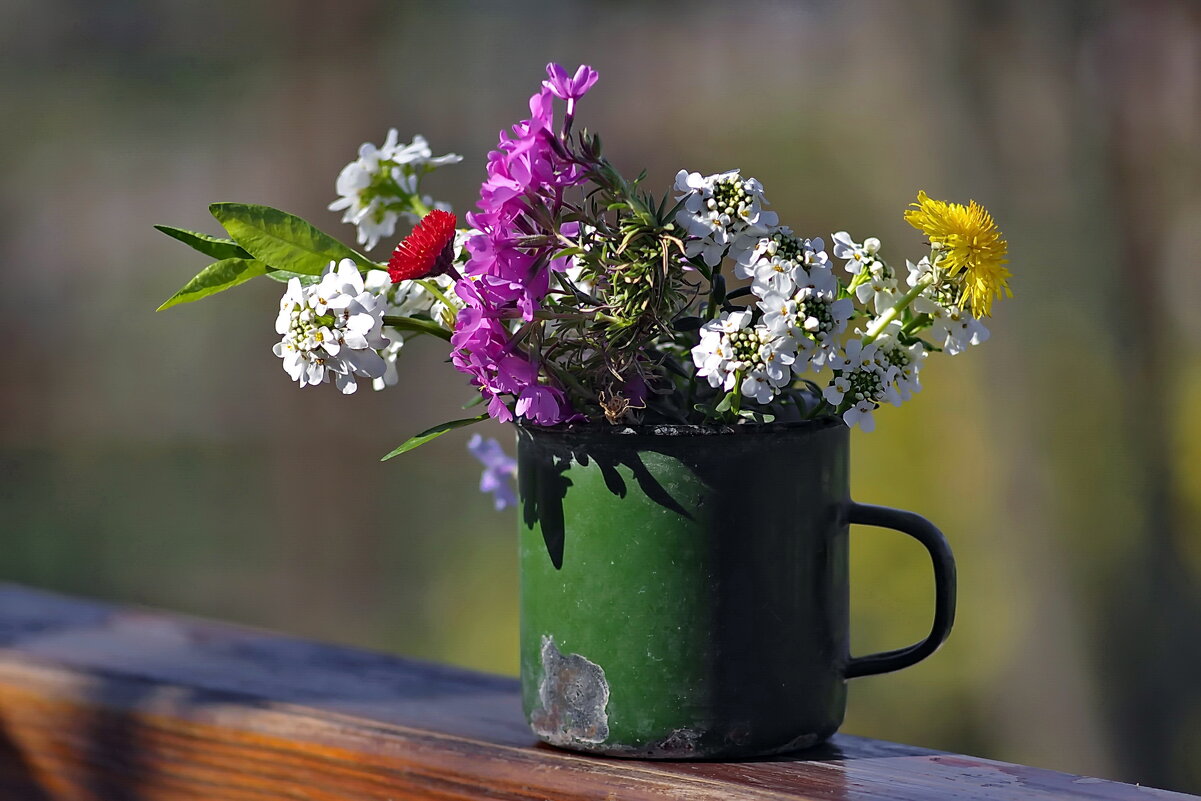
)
(107, 703)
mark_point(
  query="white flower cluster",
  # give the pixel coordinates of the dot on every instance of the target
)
(724, 213)
(412, 299)
(949, 321)
(331, 329)
(800, 319)
(952, 326)
(378, 187)
(799, 328)
(732, 350)
(877, 287)
(865, 376)
(409, 299)
(798, 294)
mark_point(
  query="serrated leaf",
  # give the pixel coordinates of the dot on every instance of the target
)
(284, 241)
(208, 245)
(433, 433)
(215, 278)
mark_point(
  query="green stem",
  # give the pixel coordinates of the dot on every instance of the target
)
(860, 278)
(887, 317)
(416, 326)
(419, 208)
(819, 410)
(436, 291)
(919, 322)
(716, 281)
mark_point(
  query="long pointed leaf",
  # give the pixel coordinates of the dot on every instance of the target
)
(433, 433)
(215, 278)
(282, 240)
(208, 245)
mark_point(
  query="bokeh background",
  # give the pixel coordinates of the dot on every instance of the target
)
(166, 459)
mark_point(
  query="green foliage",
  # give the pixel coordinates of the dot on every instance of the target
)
(433, 433)
(208, 245)
(266, 241)
(215, 278)
(283, 241)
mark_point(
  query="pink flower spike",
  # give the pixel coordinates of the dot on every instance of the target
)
(572, 88)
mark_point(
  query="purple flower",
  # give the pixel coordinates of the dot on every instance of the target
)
(500, 470)
(572, 88)
(504, 281)
(544, 405)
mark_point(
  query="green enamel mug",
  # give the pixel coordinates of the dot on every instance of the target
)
(684, 589)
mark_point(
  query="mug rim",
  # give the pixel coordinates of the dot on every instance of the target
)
(677, 430)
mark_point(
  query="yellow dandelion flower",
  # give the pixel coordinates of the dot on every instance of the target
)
(970, 249)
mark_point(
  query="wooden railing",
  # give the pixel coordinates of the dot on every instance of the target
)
(109, 703)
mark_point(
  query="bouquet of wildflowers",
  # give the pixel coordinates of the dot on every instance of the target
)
(574, 295)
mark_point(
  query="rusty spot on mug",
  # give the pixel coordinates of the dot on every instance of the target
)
(680, 743)
(572, 697)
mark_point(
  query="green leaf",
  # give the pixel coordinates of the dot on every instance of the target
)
(208, 245)
(284, 241)
(215, 278)
(416, 325)
(726, 402)
(433, 433)
(572, 251)
(284, 276)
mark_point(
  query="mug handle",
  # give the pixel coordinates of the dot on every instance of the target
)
(924, 532)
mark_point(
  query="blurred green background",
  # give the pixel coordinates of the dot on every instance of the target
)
(166, 459)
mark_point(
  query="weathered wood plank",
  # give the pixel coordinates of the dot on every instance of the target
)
(111, 704)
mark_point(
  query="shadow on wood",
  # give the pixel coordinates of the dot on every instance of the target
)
(113, 704)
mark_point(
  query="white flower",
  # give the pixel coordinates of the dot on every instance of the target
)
(839, 387)
(411, 299)
(858, 256)
(959, 330)
(730, 347)
(918, 271)
(376, 189)
(907, 359)
(721, 213)
(878, 289)
(879, 292)
(861, 414)
(865, 379)
(952, 326)
(331, 329)
(774, 258)
(813, 315)
(857, 356)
